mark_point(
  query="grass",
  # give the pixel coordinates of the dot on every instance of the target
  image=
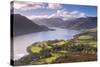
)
(93, 43)
(49, 47)
(36, 49)
(61, 43)
(47, 60)
(85, 37)
(63, 51)
(51, 59)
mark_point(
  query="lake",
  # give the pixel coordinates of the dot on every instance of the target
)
(22, 42)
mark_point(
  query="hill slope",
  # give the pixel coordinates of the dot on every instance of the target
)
(22, 25)
(82, 23)
(83, 47)
(79, 23)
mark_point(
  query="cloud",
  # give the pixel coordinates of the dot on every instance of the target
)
(78, 14)
(54, 6)
(65, 15)
(28, 5)
(18, 5)
(35, 5)
(34, 16)
(60, 11)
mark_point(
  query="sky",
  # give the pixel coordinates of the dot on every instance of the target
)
(52, 10)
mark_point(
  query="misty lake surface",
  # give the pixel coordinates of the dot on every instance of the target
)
(22, 42)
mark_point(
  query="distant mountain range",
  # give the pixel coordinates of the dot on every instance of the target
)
(79, 23)
(22, 25)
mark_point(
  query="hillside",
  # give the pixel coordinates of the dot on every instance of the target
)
(22, 25)
(79, 23)
(83, 47)
(83, 23)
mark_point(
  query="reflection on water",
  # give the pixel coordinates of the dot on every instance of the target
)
(22, 42)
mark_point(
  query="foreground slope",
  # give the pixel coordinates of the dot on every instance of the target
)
(22, 25)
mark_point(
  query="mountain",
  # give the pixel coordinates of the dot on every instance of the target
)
(22, 25)
(79, 23)
(50, 22)
(82, 23)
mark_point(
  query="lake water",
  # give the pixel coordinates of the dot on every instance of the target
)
(22, 42)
